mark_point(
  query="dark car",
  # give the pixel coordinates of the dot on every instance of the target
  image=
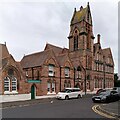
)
(117, 89)
(107, 96)
(100, 90)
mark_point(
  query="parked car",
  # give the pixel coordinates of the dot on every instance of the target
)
(107, 96)
(117, 89)
(68, 93)
(100, 90)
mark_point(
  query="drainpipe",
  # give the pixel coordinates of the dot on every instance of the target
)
(74, 77)
(60, 78)
(85, 81)
(104, 72)
(32, 74)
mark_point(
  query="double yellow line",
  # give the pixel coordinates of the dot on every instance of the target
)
(94, 108)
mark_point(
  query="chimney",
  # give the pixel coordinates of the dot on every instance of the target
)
(81, 8)
(74, 9)
(5, 43)
(98, 38)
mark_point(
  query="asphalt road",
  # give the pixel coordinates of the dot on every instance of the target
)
(74, 108)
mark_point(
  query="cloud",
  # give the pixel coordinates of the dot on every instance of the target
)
(27, 26)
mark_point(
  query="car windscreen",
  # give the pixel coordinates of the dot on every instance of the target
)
(65, 91)
(104, 93)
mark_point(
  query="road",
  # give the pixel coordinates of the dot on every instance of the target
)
(74, 108)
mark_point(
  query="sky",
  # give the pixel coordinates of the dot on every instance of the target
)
(27, 25)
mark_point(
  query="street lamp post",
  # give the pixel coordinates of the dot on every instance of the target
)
(74, 76)
(85, 81)
(104, 71)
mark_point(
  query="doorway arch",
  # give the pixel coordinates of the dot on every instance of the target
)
(33, 91)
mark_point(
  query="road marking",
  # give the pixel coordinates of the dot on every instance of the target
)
(94, 108)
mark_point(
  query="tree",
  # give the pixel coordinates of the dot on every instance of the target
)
(116, 80)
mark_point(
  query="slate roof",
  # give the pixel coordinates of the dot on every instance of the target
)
(55, 48)
(38, 59)
(35, 59)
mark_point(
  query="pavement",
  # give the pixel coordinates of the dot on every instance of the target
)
(24, 97)
(109, 110)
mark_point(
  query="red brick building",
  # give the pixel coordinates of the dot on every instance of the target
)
(11, 78)
(84, 64)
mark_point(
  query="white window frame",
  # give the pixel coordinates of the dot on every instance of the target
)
(14, 85)
(7, 78)
(67, 72)
(51, 70)
(53, 87)
(48, 87)
(26, 73)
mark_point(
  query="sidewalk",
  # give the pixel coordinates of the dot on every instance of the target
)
(23, 97)
(111, 109)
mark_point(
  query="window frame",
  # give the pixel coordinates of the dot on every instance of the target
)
(14, 85)
(8, 84)
(67, 72)
(51, 70)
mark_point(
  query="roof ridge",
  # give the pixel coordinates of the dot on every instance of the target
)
(54, 45)
(106, 48)
(36, 53)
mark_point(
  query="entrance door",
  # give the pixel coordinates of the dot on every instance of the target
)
(33, 92)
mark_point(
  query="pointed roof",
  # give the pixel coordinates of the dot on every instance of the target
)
(78, 15)
(82, 14)
(4, 53)
(35, 59)
(107, 53)
(57, 50)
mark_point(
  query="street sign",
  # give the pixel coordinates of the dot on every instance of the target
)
(34, 81)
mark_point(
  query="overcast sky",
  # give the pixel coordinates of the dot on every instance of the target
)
(26, 26)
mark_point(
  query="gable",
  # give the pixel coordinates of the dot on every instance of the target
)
(56, 49)
(51, 58)
(108, 54)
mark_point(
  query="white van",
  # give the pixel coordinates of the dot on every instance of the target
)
(68, 93)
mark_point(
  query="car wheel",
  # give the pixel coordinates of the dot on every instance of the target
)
(79, 96)
(66, 97)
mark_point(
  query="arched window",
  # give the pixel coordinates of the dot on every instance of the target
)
(67, 72)
(14, 84)
(6, 84)
(76, 42)
(51, 70)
